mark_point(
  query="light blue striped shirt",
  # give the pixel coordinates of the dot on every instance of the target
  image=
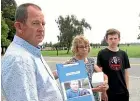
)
(26, 76)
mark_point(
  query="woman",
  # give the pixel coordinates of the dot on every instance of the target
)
(80, 49)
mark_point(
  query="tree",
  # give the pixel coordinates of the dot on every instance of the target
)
(4, 34)
(139, 29)
(70, 27)
(7, 3)
(103, 42)
(138, 36)
(50, 44)
(8, 8)
(56, 45)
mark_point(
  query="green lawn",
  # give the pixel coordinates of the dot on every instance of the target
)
(132, 51)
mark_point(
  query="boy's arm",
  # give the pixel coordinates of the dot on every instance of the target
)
(127, 78)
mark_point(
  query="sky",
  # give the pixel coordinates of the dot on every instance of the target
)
(100, 14)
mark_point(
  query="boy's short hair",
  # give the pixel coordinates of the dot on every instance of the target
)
(112, 31)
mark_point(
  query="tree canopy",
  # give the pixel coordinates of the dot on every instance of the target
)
(4, 33)
(138, 36)
(8, 8)
(69, 27)
(139, 29)
(103, 42)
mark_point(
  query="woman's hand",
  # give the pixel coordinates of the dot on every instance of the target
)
(104, 96)
(106, 85)
(101, 88)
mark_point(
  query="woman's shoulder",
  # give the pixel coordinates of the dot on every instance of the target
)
(71, 60)
(91, 59)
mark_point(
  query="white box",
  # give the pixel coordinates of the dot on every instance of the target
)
(97, 79)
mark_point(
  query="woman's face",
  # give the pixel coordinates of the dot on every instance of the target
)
(83, 49)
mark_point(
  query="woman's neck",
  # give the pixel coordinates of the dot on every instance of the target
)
(79, 57)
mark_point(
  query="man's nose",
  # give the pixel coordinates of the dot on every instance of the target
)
(41, 28)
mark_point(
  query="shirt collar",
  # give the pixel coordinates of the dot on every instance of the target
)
(32, 49)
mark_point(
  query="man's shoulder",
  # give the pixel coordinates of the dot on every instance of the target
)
(16, 55)
(12, 62)
(15, 50)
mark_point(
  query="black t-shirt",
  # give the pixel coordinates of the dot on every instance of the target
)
(113, 65)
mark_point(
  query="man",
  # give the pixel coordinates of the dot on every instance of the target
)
(115, 63)
(25, 75)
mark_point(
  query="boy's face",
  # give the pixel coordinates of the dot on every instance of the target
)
(74, 86)
(113, 40)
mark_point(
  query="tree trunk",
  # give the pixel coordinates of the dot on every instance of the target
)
(57, 50)
(68, 50)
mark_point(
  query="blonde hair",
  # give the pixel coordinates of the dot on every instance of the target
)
(77, 40)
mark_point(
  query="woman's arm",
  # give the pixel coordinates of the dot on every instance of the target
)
(127, 78)
(55, 74)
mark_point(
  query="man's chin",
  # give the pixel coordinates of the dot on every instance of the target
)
(40, 40)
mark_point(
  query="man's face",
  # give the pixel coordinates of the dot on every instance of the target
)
(34, 27)
(74, 85)
(113, 40)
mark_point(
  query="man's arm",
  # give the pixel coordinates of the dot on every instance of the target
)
(127, 78)
(18, 80)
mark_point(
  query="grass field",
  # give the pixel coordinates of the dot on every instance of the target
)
(132, 51)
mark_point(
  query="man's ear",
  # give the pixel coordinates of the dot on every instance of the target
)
(19, 27)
